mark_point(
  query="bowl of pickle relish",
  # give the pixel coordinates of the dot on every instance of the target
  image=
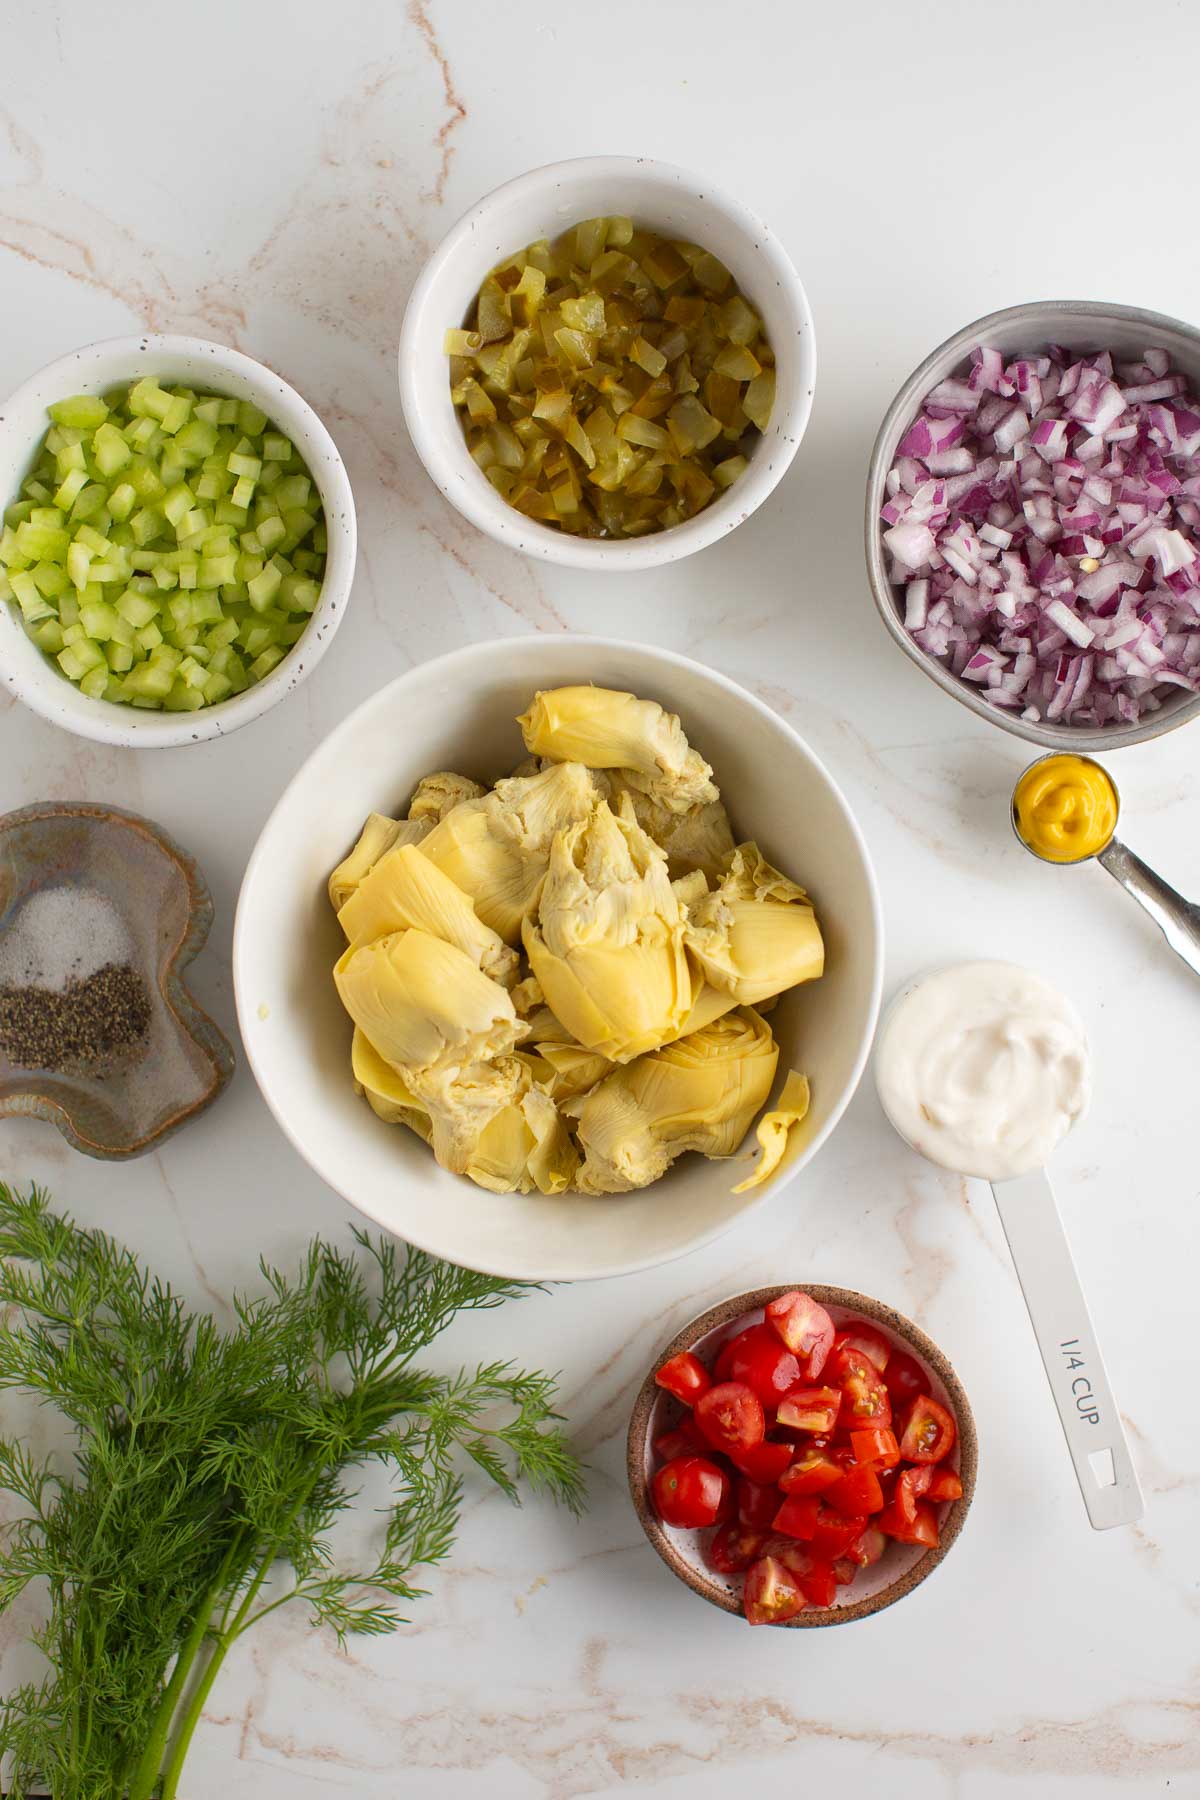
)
(608, 363)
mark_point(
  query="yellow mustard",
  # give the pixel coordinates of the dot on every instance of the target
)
(1065, 808)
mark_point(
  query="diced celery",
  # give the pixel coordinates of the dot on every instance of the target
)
(94, 682)
(243, 492)
(33, 603)
(293, 490)
(145, 481)
(119, 657)
(264, 663)
(216, 687)
(110, 450)
(209, 410)
(177, 414)
(252, 421)
(83, 410)
(264, 587)
(73, 484)
(51, 579)
(122, 501)
(165, 578)
(206, 607)
(78, 562)
(147, 398)
(41, 542)
(183, 698)
(89, 502)
(177, 502)
(48, 636)
(68, 608)
(276, 448)
(239, 463)
(271, 532)
(137, 608)
(76, 659)
(149, 637)
(98, 620)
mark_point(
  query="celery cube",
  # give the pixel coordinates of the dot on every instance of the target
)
(179, 501)
(143, 478)
(78, 562)
(73, 484)
(216, 686)
(263, 664)
(178, 412)
(137, 608)
(149, 637)
(206, 607)
(98, 620)
(188, 572)
(84, 410)
(165, 578)
(198, 436)
(276, 448)
(150, 679)
(146, 399)
(243, 491)
(51, 579)
(41, 542)
(119, 657)
(48, 636)
(89, 502)
(183, 698)
(68, 608)
(122, 501)
(264, 587)
(194, 673)
(214, 570)
(94, 683)
(34, 605)
(79, 657)
(249, 418)
(293, 490)
(110, 450)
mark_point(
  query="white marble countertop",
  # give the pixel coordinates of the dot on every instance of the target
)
(274, 177)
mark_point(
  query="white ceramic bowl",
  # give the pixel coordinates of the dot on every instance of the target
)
(34, 678)
(1083, 326)
(458, 713)
(542, 204)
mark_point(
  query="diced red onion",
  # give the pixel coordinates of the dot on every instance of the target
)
(1043, 519)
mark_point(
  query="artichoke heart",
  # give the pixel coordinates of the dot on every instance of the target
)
(437, 794)
(377, 837)
(756, 934)
(422, 1002)
(405, 891)
(490, 1122)
(774, 1129)
(699, 1093)
(386, 1091)
(496, 848)
(699, 839)
(607, 946)
(608, 729)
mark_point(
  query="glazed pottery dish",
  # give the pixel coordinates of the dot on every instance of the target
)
(656, 197)
(201, 367)
(100, 914)
(458, 713)
(1069, 501)
(890, 1568)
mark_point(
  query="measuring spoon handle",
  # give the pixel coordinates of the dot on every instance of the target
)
(1176, 918)
(1075, 1369)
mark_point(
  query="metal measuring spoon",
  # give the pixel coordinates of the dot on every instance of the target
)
(1062, 1325)
(1178, 919)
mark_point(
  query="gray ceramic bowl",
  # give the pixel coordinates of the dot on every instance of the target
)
(902, 1566)
(1081, 325)
(108, 887)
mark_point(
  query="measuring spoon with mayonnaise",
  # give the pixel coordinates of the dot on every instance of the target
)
(984, 1067)
(1065, 810)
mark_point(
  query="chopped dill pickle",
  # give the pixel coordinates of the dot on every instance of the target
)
(610, 383)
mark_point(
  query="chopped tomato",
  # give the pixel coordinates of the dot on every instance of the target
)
(904, 1378)
(920, 1529)
(771, 1594)
(733, 1548)
(929, 1432)
(876, 1445)
(805, 1327)
(868, 1548)
(722, 1367)
(813, 1470)
(759, 1359)
(679, 1440)
(763, 1462)
(867, 1338)
(865, 1398)
(912, 1483)
(820, 1585)
(730, 1416)
(756, 1504)
(690, 1490)
(944, 1486)
(845, 1568)
(857, 1492)
(685, 1376)
(810, 1409)
(797, 1517)
(833, 1532)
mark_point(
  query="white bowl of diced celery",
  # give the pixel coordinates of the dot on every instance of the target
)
(178, 540)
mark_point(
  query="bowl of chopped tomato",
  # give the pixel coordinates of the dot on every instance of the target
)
(802, 1457)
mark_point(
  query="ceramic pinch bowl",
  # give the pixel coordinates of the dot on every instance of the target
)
(82, 886)
(902, 1567)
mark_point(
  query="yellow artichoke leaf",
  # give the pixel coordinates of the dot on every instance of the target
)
(608, 729)
(698, 841)
(421, 1001)
(775, 1129)
(405, 891)
(385, 1089)
(437, 794)
(756, 934)
(379, 835)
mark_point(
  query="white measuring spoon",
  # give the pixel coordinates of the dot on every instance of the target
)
(1062, 1325)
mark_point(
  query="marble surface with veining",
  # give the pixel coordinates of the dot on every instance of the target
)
(273, 176)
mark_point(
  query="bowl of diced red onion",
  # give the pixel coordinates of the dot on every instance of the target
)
(1033, 521)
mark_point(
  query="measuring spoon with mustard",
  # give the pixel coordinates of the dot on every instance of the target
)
(1065, 809)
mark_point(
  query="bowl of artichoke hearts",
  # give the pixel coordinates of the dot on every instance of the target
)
(559, 956)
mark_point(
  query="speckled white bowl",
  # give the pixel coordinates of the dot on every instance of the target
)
(542, 204)
(37, 680)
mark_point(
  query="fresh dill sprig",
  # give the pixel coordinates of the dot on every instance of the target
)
(210, 1466)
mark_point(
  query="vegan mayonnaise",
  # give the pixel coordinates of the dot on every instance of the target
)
(984, 1068)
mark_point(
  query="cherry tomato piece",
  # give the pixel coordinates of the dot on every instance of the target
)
(857, 1492)
(876, 1445)
(865, 1400)
(813, 1470)
(690, 1490)
(868, 1548)
(797, 1517)
(834, 1532)
(845, 1568)
(733, 1549)
(757, 1357)
(756, 1504)
(920, 1529)
(685, 1376)
(904, 1379)
(681, 1439)
(810, 1409)
(805, 1327)
(764, 1462)
(944, 1486)
(929, 1432)
(820, 1585)
(771, 1594)
(912, 1483)
(730, 1416)
(867, 1338)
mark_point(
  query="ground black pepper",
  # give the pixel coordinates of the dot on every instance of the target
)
(80, 1025)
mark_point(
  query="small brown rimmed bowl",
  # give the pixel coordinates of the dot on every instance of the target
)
(902, 1566)
(157, 893)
